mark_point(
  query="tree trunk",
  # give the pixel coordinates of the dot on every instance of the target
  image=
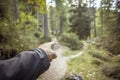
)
(37, 16)
(60, 14)
(95, 32)
(42, 21)
(15, 10)
(51, 21)
(45, 25)
(101, 19)
(5, 9)
(61, 24)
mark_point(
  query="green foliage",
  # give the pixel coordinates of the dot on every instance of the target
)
(95, 67)
(43, 39)
(109, 28)
(109, 63)
(5, 9)
(109, 43)
(39, 3)
(69, 52)
(70, 40)
(96, 62)
(112, 71)
(61, 20)
(96, 53)
(12, 37)
(7, 31)
(22, 34)
(80, 21)
(113, 46)
(84, 65)
(27, 18)
(8, 39)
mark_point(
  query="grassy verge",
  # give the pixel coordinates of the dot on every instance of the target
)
(95, 64)
(69, 52)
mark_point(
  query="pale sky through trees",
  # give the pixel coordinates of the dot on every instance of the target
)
(50, 2)
(53, 3)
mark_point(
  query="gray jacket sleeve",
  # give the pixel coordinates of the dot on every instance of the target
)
(27, 65)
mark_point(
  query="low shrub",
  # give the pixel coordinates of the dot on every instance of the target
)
(70, 52)
(110, 65)
(70, 40)
(98, 53)
(99, 56)
(43, 39)
(97, 62)
(17, 37)
(113, 72)
(110, 44)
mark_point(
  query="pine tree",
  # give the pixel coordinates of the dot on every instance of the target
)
(80, 21)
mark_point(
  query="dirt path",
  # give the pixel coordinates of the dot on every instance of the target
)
(74, 56)
(77, 54)
(58, 66)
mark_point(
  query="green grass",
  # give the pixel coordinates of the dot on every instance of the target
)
(92, 64)
(83, 65)
(69, 52)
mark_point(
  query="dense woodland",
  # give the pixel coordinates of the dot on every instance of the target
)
(25, 24)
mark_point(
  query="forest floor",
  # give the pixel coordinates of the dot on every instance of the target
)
(90, 62)
(58, 66)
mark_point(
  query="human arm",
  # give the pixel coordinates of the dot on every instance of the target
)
(27, 65)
